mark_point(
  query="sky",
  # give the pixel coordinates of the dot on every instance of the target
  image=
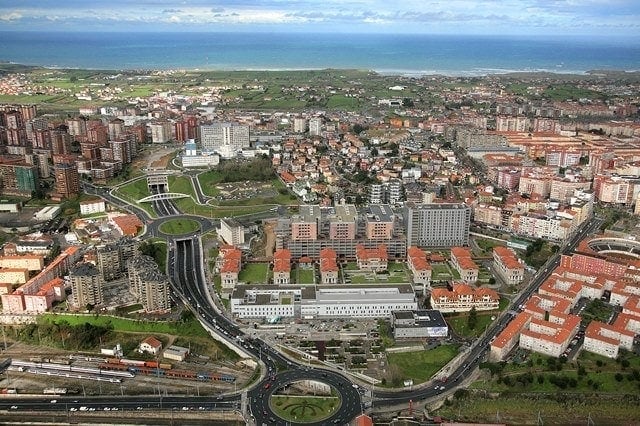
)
(486, 17)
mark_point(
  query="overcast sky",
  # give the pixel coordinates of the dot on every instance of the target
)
(523, 17)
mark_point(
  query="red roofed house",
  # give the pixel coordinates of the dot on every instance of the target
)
(374, 260)
(362, 420)
(550, 337)
(462, 262)
(462, 297)
(507, 339)
(507, 265)
(328, 266)
(44, 298)
(229, 262)
(419, 266)
(127, 224)
(282, 266)
(605, 339)
(150, 345)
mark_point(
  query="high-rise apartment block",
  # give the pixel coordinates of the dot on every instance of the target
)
(86, 285)
(437, 225)
(225, 138)
(150, 286)
(65, 171)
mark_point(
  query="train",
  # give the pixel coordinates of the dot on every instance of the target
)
(169, 373)
(137, 363)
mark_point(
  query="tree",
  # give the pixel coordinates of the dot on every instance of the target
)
(472, 320)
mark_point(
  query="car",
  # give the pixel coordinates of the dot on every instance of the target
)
(219, 398)
(355, 386)
(53, 401)
(92, 409)
(139, 408)
(185, 408)
(14, 407)
(115, 409)
(441, 388)
(84, 409)
(73, 409)
(107, 409)
(267, 386)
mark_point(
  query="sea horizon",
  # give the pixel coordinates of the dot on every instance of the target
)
(389, 54)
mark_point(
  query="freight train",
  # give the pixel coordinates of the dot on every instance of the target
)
(169, 373)
(137, 363)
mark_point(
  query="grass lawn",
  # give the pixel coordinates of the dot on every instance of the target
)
(440, 271)
(514, 409)
(190, 328)
(255, 273)
(304, 409)
(460, 327)
(421, 366)
(304, 276)
(135, 191)
(179, 226)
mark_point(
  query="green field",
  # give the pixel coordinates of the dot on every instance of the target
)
(422, 365)
(304, 409)
(179, 227)
(255, 273)
(190, 328)
(303, 276)
(134, 191)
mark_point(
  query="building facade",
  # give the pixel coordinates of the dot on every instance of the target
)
(437, 225)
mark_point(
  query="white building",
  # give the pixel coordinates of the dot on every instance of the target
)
(224, 137)
(92, 207)
(355, 301)
(231, 231)
(160, 131)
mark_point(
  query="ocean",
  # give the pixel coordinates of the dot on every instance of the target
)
(384, 53)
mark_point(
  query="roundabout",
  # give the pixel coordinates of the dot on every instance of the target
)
(305, 401)
(288, 398)
(179, 226)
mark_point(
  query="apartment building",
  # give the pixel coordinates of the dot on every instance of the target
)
(606, 340)
(328, 266)
(66, 175)
(231, 231)
(507, 265)
(15, 302)
(437, 225)
(462, 262)
(340, 228)
(89, 207)
(150, 286)
(342, 224)
(508, 338)
(86, 285)
(461, 297)
(550, 337)
(27, 261)
(227, 139)
(539, 306)
(17, 177)
(161, 131)
(379, 222)
(306, 224)
(613, 189)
